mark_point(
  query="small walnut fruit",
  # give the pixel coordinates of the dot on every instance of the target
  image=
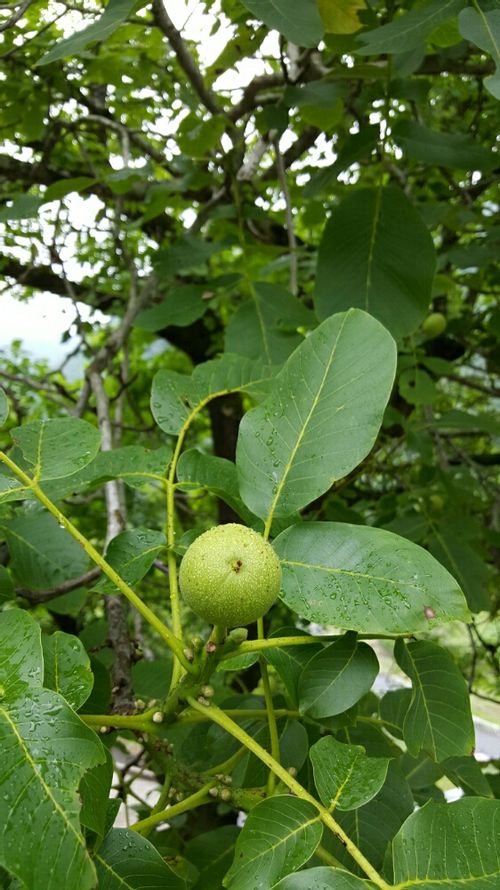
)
(230, 575)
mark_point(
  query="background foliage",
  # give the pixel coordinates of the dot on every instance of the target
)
(329, 157)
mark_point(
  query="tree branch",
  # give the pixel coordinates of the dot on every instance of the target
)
(44, 596)
(472, 384)
(306, 139)
(249, 100)
(184, 57)
(40, 277)
(116, 611)
(16, 15)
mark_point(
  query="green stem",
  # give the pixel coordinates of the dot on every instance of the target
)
(327, 857)
(271, 716)
(218, 634)
(221, 718)
(228, 765)
(175, 605)
(163, 798)
(190, 803)
(377, 721)
(282, 642)
(240, 713)
(175, 611)
(140, 722)
(171, 640)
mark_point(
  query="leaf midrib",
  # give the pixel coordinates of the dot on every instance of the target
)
(48, 793)
(282, 840)
(302, 432)
(339, 571)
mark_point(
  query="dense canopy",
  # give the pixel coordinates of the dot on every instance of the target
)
(273, 226)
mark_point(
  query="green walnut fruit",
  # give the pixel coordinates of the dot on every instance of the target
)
(436, 502)
(434, 325)
(230, 575)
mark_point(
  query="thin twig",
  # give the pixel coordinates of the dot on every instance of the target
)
(44, 596)
(464, 381)
(290, 230)
(16, 16)
(184, 57)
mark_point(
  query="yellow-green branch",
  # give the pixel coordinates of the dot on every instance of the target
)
(140, 722)
(281, 642)
(240, 713)
(221, 718)
(194, 800)
(173, 642)
(271, 716)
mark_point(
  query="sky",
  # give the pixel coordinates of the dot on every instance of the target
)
(40, 323)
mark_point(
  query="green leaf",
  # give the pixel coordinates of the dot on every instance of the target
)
(231, 373)
(317, 94)
(187, 253)
(43, 554)
(69, 603)
(217, 475)
(438, 720)
(466, 773)
(127, 860)
(114, 15)
(417, 387)
(182, 306)
(175, 396)
(449, 844)
(100, 697)
(171, 398)
(393, 708)
(250, 772)
(136, 465)
(151, 679)
(4, 407)
(379, 253)
(365, 579)
(45, 751)
(483, 28)
(7, 590)
(289, 661)
(94, 793)
(341, 16)
(199, 138)
(64, 187)
(409, 31)
(337, 677)
(421, 772)
(467, 566)
(279, 835)
(297, 20)
(344, 776)
(373, 826)
(23, 207)
(444, 149)
(356, 147)
(11, 489)
(296, 444)
(464, 420)
(322, 879)
(266, 326)
(212, 854)
(56, 448)
(132, 554)
(67, 668)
